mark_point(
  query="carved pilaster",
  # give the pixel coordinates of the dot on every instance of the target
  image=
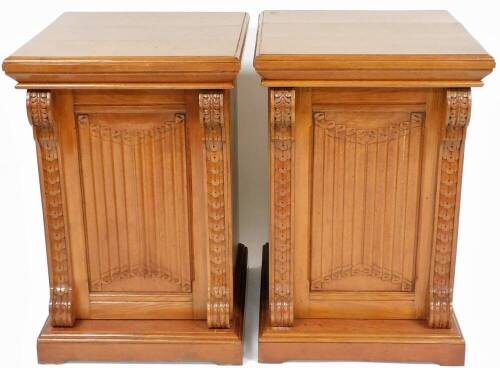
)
(447, 200)
(39, 108)
(212, 120)
(282, 119)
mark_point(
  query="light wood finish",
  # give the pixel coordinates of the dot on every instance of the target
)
(369, 48)
(281, 137)
(136, 183)
(145, 194)
(149, 340)
(458, 108)
(100, 50)
(367, 115)
(218, 209)
(356, 339)
(356, 213)
(40, 115)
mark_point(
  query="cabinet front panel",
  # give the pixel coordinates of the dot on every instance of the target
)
(133, 169)
(138, 204)
(366, 181)
(365, 163)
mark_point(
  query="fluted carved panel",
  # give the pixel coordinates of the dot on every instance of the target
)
(366, 170)
(136, 201)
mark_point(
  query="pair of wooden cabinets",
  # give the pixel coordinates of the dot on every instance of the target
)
(132, 116)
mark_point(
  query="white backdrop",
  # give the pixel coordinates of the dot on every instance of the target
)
(23, 274)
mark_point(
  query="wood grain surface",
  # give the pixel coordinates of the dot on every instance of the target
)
(367, 48)
(368, 112)
(158, 48)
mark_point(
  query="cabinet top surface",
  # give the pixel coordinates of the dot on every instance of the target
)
(134, 42)
(368, 48)
(90, 35)
(364, 33)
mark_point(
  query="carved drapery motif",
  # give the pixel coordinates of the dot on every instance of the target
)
(371, 270)
(441, 283)
(129, 136)
(39, 109)
(282, 159)
(212, 121)
(368, 136)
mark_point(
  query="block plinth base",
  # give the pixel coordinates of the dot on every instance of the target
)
(356, 340)
(150, 340)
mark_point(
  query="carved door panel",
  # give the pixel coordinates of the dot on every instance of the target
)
(370, 191)
(134, 183)
(366, 181)
(134, 170)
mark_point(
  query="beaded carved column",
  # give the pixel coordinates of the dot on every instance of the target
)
(458, 107)
(282, 122)
(215, 155)
(49, 160)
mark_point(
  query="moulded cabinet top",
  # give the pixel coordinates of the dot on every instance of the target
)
(207, 46)
(304, 41)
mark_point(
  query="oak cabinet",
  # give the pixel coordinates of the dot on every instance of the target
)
(367, 122)
(132, 118)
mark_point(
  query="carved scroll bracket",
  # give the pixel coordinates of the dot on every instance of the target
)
(39, 109)
(282, 122)
(449, 176)
(212, 121)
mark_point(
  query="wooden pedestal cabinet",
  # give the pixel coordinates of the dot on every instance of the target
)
(368, 113)
(132, 118)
